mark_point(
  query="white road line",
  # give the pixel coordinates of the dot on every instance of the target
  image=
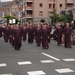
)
(24, 63)
(51, 57)
(6, 74)
(65, 70)
(36, 73)
(69, 59)
(47, 61)
(2, 65)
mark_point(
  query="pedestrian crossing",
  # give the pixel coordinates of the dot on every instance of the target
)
(3, 64)
(47, 61)
(36, 73)
(65, 70)
(24, 63)
(52, 60)
(7, 74)
(69, 59)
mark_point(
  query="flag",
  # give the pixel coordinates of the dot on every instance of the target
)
(2, 14)
(10, 12)
(24, 6)
(19, 14)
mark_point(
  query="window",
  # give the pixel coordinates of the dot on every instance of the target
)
(40, 13)
(60, 5)
(41, 5)
(53, 5)
(50, 6)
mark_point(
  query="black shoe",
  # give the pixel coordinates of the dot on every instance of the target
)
(38, 45)
(66, 47)
(70, 47)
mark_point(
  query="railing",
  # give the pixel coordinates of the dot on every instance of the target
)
(29, 7)
(29, 0)
(29, 16)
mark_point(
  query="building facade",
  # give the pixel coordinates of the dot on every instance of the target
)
(4, 8)
(35, 10)
(41, 9)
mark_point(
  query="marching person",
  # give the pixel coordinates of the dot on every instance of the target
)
(49, 31)
(17, 36)
(0, 31)
(6, 33)
(30, 34)
(45, 37)
(38, 35)
(67, 36)
(24, 32)
(59, 34)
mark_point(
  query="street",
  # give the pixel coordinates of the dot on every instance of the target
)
(33, 60)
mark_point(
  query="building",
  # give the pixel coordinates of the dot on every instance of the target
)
(4, 8)
(41, 9)
(35, 10)
(70, 5)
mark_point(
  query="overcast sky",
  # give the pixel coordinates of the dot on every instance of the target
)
(5, 0)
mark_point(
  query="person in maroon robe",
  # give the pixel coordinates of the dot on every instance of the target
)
(59, 34)
(17, 36)
(49, 31)
(24, 33)
(30, 34)
(38, 35)
(45, 37)
(6, 34)
(0, 31)
(67, 35)
(11, 35)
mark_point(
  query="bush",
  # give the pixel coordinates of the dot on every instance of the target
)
(42, 20)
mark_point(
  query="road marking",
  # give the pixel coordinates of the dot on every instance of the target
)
(69, 59)
(36, 72)
(47, 61)
(6, 74)
(2, 65)
(24, 63)
(51, 57)
(66, 70)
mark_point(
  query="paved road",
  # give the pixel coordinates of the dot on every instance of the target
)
(33, 60)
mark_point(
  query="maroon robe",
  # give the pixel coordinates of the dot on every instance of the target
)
(24, 33)
(30, 34)
(6, 34)
(45, 39)
(49, 30)
(17, 34)
(0, 31)
(11, 36)
(38, 35)
(59, 35)
(67, 34)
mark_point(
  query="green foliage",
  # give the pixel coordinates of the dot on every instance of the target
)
(64, 17)
(42, 20)
(8, 17)
(54, 17)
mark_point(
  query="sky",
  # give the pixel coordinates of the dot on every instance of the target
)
(5, 0)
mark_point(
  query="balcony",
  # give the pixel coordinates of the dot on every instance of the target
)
(70, 1)
(29, 16)
(29, 0)
(29, 8)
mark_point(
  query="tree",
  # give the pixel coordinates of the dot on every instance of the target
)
(68, 16)
(42, 20)
(8, 17)
(65, 16)
(54, 17)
